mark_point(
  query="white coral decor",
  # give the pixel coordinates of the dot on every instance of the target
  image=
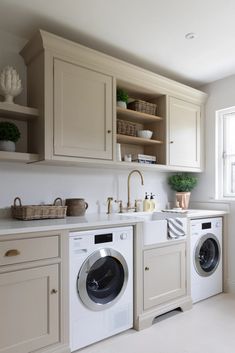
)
(10, 84)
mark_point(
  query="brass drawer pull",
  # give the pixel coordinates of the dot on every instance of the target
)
(12, 252)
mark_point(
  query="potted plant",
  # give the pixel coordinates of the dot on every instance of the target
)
(182, 184)
(122, 98)
(9, 135)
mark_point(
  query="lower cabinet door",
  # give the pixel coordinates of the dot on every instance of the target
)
(164, 274)
(29, 311)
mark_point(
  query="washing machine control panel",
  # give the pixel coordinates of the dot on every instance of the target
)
(199, 226)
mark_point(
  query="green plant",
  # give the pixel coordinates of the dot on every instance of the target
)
(9, 132)
(182, 182)
(122, 95)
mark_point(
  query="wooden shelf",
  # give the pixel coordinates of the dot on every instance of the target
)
(137, 140)
(18, 157)
(137, 117)
(17, 112)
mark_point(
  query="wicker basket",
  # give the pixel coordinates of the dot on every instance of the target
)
(31, 212)
(126, 128)
(143, 107)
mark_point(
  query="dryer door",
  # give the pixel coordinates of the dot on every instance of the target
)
(207, 255)
(102, 279)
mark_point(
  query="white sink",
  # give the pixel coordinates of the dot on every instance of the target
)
(155, 225)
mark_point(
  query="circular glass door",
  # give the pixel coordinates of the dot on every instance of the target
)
(102, 279)
(207, 255)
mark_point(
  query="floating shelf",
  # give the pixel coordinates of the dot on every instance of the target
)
(137, 117)
(17, 112)
(137, 140)
(18, 157)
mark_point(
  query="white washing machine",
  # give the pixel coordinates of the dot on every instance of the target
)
(101, 284)
(206, 258)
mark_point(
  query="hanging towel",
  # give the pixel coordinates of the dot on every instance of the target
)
(175, 228)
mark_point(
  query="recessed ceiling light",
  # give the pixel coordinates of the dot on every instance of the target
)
(190, 35)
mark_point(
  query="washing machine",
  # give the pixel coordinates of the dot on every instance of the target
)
(206, 258)
(101, 284)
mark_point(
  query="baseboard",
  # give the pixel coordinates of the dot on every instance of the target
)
(229, 286)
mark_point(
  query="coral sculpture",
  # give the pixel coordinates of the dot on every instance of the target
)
(10, 84)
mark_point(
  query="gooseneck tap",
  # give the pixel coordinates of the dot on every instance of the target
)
(128, 185)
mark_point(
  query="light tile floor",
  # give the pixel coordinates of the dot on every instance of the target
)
(208, 328)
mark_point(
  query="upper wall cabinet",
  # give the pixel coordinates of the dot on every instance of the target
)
(82, 112)
(74, 89)
(184, 129)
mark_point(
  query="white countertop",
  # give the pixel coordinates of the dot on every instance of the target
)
(13, 226)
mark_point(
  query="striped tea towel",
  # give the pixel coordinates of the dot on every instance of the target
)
(175, 228)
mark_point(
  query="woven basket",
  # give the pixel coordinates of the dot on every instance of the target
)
(31, 212)
(126, 128)
(143, 107)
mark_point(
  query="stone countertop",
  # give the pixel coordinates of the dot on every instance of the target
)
(13, 226)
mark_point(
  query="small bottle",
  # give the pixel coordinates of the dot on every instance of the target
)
(152, 203)
(146, 203)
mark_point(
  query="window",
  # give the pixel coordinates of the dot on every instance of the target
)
(225, 157)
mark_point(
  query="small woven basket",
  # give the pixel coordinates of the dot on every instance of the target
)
(31, 212)
(126, 128)
(143, 107)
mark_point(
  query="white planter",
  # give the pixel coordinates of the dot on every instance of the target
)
(121, 104)
(7, 146)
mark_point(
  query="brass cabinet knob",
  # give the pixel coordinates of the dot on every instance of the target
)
(12, 252)
(54, 291)
(146, 268)
(109, 131)
(171, 141)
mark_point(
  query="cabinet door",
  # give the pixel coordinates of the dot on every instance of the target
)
(184, 133)
(164, 274)
(82, 112)
(29, 309)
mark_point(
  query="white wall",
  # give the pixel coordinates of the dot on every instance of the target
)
(220, 95)
(36, 183)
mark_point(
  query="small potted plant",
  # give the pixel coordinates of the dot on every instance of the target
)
(182, 184)
(9, 135)
(122, 98)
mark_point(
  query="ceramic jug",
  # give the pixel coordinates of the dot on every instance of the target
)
(76, 207)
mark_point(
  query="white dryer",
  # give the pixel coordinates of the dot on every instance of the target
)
(206, 258)
(101, 284)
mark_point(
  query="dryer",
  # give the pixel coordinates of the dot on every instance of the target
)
(101, 284)
(206, 258)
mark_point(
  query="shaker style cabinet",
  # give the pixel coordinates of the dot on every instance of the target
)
(82, 112)
(184, 134)
(164, 274)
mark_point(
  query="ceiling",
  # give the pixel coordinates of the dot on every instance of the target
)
(148, 33)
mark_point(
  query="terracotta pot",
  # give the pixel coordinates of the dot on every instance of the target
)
(182, 199)
(76, 207)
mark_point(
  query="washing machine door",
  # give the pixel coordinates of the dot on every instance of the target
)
(207, 255)
(102, 279)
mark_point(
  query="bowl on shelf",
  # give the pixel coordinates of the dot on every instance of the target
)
(145, 134)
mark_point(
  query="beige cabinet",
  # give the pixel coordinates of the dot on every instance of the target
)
(164, 274)
(33, 293)
(29, 317)
(184, 134)
(82, 112)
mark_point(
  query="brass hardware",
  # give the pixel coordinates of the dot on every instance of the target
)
(171, 141)
(128, 185)
(54, 291)
(146, 268)
(12, 252)
(120, 205)
(136, 205)
(109, 200)
(109, 131)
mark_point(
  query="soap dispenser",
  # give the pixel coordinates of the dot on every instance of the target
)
(146, 203)
(152, 202)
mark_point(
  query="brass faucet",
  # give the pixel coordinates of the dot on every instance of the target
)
(109, 201)
(128, 185)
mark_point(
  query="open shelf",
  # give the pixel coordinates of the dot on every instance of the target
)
(17, 112)
(18, 157)
(137, 140)
(137, 117)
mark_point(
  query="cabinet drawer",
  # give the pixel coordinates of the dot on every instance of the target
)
(23, 250)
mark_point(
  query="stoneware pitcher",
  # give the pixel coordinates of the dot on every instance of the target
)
(76, 207)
